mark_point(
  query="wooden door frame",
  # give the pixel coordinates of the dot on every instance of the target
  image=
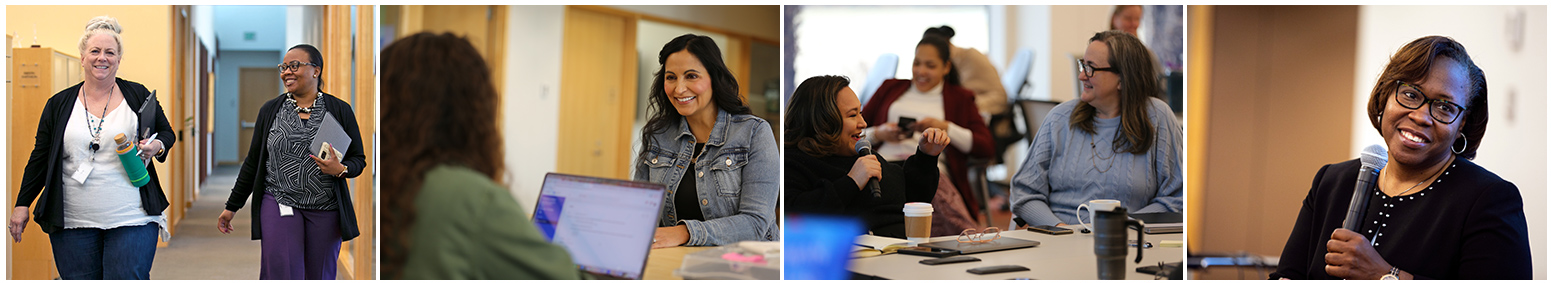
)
(357, 257)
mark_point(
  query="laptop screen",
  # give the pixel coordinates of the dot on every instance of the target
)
(606, 224)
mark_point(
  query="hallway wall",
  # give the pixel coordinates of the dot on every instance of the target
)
(227, 100)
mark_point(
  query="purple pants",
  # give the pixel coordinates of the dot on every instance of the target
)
(301, 246)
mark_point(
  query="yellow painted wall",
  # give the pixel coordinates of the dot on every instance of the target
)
(146, 55)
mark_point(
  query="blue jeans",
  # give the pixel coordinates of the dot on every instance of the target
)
(122, 253)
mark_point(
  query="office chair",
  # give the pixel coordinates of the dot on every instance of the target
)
(882, 69)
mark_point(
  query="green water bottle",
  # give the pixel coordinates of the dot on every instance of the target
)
(129, 155)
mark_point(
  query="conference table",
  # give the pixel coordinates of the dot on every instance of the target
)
(1062, 257)
(661, 262)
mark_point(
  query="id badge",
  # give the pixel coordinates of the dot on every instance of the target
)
(80, 174)
(286, 211)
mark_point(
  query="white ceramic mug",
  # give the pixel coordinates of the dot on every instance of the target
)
(1093, 207)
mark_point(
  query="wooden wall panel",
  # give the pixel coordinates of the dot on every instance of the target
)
(350, 74)
(1282, 90)
(33, 81)
(596, 91)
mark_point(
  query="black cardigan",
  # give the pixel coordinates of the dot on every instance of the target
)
(821, 185)
(1469, 224)
(44, 168)
(250, 182)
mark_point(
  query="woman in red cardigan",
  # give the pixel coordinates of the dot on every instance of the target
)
(932, 98)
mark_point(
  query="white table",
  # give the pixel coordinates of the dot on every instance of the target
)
(1063, 257)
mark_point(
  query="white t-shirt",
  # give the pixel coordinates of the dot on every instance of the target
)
(106, 199)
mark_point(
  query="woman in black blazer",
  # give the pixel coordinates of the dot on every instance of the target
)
(300, 199)
(106, 228)
(1435, 214)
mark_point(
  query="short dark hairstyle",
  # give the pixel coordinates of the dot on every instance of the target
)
(813, 119)
(315, 56)
(1412, 64)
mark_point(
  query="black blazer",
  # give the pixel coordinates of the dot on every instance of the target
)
(1469, 224)
(250, 182)
(44, 170)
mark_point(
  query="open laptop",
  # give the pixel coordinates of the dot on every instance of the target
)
(606, 224)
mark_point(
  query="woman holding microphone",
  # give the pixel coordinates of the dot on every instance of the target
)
(301, 203)
(826, 175)
(1435, 214)
(101, 225)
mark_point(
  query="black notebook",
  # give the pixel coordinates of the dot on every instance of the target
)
(148, 111)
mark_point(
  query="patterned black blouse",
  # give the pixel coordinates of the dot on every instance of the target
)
(294, 179)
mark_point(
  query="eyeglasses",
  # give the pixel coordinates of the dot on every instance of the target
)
(980, 236)
(294, 65)
(1087, 69)
(1411, 97)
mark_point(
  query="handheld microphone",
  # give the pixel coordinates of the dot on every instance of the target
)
(1373, 159)
(863, 147)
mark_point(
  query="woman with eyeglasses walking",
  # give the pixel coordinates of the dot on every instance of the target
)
(100, 225)
(301, 203)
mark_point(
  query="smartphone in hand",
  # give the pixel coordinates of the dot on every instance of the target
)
(904, 126)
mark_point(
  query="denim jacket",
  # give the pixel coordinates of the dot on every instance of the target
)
(736, 181)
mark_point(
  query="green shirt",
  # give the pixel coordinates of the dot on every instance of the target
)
(468, 227)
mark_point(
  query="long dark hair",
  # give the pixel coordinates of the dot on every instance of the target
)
(316, 57)
(813, 120)
(443, 108)
(944, 52)
(1412, 63)
(1138, 84)
(724, 88)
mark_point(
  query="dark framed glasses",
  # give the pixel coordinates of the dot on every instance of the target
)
(1411, 97)
(1087, 69)
(294, 65)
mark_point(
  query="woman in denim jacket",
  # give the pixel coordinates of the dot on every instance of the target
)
(730, 195)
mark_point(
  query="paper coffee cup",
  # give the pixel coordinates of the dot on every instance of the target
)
(918, 222)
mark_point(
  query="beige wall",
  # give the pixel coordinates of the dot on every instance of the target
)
(1281, 81)
(1071, 26)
